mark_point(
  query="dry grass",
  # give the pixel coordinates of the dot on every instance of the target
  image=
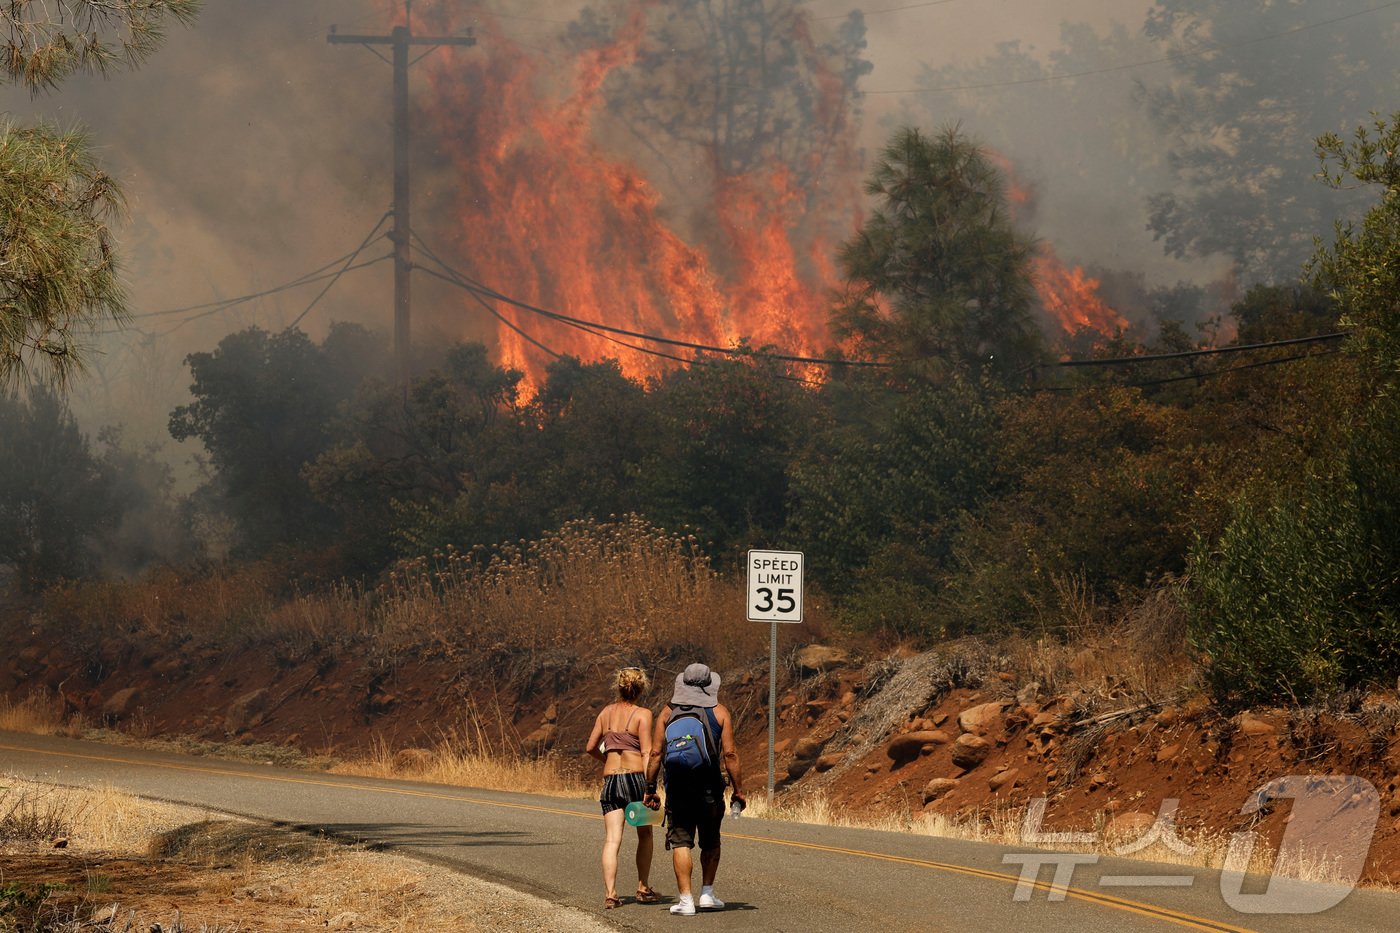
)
(38, 714)
(1140, 654)
(132, 863)
(464, 759)
(1004, 825)
(637, 590)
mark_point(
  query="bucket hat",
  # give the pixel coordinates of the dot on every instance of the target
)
(697, 685)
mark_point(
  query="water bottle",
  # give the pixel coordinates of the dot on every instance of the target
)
(736, 807)
(639, 814)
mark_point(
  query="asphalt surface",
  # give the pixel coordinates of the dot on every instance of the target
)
(774, 876)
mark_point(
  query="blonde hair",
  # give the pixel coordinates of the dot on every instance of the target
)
(631, 682)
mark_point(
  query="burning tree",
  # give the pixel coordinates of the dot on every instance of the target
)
(684, 169)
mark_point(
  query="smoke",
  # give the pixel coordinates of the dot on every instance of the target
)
(253, 151)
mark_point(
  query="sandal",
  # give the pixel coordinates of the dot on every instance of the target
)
(645, 895)
(610, 902)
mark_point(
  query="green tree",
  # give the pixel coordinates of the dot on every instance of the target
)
(410, 473)
(876, 496)
(58, 269)
(1361, 269)
(54, 494)
(263, 407)
(718, 460)
(938, 276)
(1300, 597)
(594, 427)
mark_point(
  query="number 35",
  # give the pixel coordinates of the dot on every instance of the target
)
(785, 601)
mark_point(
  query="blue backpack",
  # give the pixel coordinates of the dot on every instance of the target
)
(689, 752)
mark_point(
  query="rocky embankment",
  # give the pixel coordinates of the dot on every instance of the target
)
(937, 733)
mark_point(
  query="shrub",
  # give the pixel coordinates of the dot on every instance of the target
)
(1290, 602)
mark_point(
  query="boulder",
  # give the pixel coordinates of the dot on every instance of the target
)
(1004, 779)
(908, 746)
(981, 719)
(799, 766)
(937, 788)
(1168, 752)
(818, 659)
(551, 714)
(541, 740)
(246, 711)
(827, 762)
(121, 704)
(807, 748)
(1254, 726)
(969, 751)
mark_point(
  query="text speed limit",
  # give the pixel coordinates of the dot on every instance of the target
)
(775, 586)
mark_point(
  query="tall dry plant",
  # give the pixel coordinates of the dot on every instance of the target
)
(617, 589)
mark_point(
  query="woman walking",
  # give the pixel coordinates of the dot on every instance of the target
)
(621, 740)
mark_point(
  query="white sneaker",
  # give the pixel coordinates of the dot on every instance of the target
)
(710, 902)
(685, 907)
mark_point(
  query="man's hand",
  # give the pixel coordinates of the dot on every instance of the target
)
(651, 800)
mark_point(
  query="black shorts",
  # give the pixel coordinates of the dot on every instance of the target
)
(687, 819)
(621, 789)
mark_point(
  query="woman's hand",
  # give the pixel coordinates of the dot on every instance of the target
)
(651, 800)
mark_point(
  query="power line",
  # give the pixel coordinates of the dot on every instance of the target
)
(300, 280)
(1238, 348)
(466, 282)
(370, 238)
(1209, 374)
(893, 9)
(1178, 56)
(490, 310)
(454, 277)
(229, 305)
(1234, 369)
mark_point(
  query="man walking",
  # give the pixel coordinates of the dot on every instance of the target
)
(694, 742)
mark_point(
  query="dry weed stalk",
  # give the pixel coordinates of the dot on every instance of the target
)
(1139, 655)
(38, 714)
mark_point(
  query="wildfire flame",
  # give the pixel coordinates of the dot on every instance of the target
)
(543, 208)
(1071, 296)
(544, 212)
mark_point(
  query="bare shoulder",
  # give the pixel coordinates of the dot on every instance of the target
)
(722, 713)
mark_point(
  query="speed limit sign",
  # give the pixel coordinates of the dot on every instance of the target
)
(775, 586)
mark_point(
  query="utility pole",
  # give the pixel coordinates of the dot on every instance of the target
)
(401, 39)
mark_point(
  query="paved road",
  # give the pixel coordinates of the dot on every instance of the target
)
(775, 876)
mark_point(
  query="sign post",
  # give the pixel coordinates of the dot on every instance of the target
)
(775, 595)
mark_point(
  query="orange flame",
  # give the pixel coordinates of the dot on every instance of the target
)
(1071, 296)
(540, 210)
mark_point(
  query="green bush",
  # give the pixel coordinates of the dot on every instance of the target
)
(1291, 603)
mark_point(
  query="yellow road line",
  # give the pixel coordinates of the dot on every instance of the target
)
(1093, 897)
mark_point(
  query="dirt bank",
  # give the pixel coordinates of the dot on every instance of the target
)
(906, 735)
